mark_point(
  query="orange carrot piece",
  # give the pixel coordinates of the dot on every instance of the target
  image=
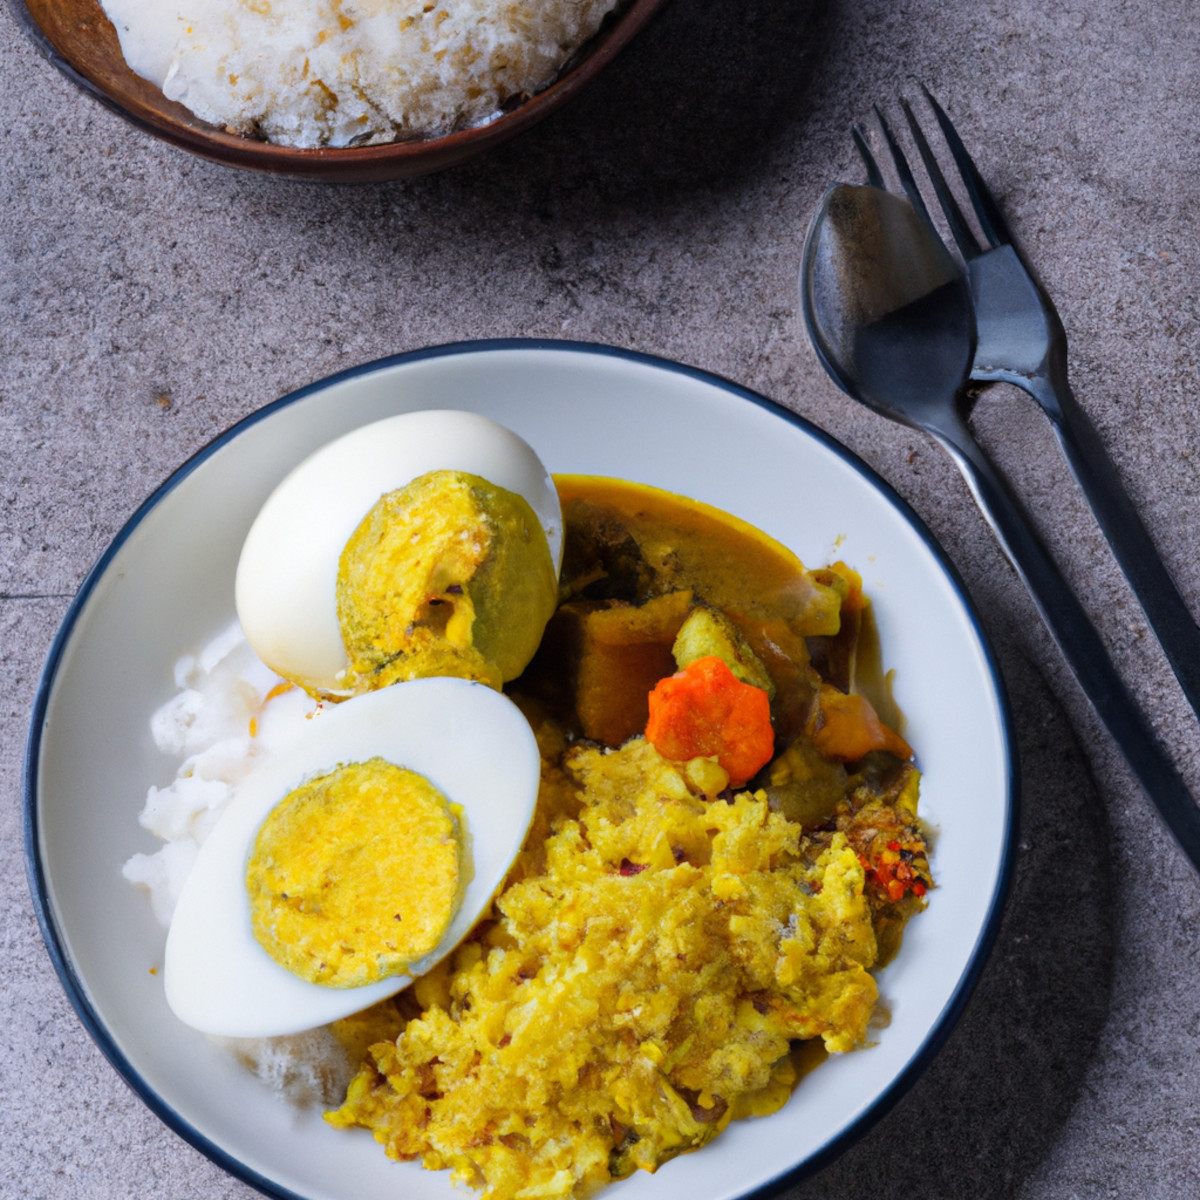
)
(705, 710)
(844, 728)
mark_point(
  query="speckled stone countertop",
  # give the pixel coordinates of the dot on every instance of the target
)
(148, 300)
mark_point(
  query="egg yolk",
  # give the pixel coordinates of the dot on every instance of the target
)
(355, 874)
(448, 575)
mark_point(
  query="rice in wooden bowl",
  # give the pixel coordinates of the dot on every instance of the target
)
(385, 89)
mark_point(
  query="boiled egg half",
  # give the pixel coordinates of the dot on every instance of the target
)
(468, 741)
(287, 587)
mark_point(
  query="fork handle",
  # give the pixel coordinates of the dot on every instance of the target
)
(1078, 640)
(1131, 544)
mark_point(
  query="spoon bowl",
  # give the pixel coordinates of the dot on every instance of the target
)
(887, 308)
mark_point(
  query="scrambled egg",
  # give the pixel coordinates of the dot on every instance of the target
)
(448, 575)
(658, 948)
(355, 874)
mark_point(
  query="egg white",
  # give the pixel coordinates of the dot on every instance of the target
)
(286, 588)
(470, 741)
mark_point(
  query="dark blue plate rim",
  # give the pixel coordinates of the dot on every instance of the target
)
(73, 985)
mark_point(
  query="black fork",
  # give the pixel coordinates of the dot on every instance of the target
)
(1021, 341)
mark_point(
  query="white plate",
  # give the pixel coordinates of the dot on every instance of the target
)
(166, 585)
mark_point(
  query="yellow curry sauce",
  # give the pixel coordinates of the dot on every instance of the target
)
(666, 950)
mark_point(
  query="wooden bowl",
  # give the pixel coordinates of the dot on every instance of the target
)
(80, 40)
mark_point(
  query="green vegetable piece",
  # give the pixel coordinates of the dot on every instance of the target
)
(709, 631)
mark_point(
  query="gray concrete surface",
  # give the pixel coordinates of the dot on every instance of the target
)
(148, 300)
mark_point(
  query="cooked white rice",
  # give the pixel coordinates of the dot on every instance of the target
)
(216, 728)
(311, 73)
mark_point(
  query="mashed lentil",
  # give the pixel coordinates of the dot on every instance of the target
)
(649, 965)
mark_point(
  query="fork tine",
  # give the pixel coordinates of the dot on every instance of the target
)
(968, 244)
(907, 182)
(874, 174)
(991, 221)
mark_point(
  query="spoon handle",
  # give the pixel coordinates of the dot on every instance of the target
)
(1079, 642)
(1165, 609)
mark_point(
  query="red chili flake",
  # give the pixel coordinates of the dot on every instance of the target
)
(893, 872)
(632, 868)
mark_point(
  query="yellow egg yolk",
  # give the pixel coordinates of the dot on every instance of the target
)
(356, 874)
(448, 575)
